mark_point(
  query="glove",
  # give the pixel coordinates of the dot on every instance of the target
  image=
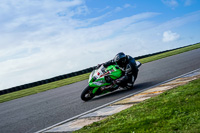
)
(97, 67)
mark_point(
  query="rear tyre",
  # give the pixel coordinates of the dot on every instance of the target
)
(87, 94)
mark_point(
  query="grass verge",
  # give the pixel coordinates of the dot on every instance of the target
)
(41, 88)
(176, 110)
(56, 84)
(170, 53)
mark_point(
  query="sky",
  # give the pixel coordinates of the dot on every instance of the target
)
(41, 39)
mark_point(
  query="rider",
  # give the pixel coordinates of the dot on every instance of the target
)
(128, 67)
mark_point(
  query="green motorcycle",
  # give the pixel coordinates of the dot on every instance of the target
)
(100, 81)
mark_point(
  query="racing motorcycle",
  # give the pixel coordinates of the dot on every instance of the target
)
(100, 81)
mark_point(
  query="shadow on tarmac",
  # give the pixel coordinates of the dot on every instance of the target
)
(136, 87)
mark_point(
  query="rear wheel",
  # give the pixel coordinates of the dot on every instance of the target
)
(87, 94)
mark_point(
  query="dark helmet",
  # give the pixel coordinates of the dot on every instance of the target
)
(120, 59)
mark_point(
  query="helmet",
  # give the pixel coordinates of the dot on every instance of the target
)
(120, 59)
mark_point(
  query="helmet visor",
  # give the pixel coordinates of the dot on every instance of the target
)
(121, 62)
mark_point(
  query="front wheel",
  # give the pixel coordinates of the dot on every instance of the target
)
(87, 94)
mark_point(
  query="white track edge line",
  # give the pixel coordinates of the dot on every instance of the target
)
(102, 106)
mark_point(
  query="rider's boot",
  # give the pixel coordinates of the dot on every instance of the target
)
(129, 86)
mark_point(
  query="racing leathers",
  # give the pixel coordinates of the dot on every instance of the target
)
(129, 72)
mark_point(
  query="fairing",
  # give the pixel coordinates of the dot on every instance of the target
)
(97, 77)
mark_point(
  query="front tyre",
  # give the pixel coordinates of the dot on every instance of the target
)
(87, 94)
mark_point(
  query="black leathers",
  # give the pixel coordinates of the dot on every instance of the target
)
(129, 70)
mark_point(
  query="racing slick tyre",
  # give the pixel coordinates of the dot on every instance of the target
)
(87, 94)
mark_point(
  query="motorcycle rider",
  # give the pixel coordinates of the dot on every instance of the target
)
(129, 70)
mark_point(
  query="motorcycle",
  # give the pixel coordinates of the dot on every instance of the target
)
(100, 81)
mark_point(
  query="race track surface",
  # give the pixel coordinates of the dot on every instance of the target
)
(36, 112)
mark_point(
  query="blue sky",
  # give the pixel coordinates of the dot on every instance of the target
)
(40, 39)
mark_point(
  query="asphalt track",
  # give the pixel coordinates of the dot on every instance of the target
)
(36, 112)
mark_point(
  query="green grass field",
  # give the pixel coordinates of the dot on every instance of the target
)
(56, 84)
(174, 111)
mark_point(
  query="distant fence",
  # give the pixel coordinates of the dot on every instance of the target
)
(87, 70)
(45, 81)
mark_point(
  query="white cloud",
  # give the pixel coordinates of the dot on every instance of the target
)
(174, 3)
(188, 2)
(127, 5)
(130, 6)
(169, 36)
(178, 22)
(118, 9)
(51, 42)
(171, 3)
